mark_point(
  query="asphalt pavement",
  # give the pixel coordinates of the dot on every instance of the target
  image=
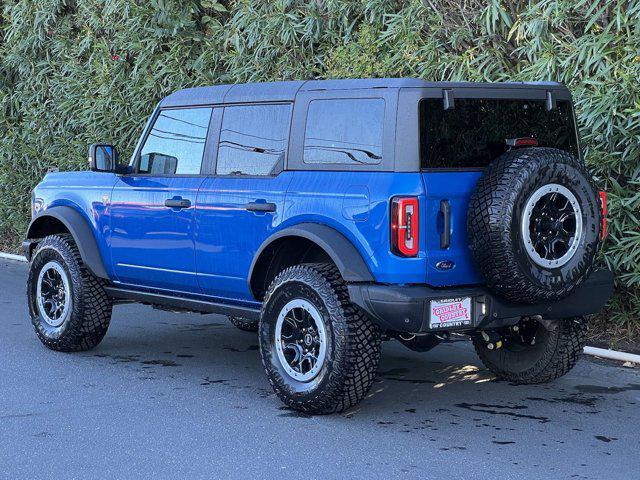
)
(176, 395)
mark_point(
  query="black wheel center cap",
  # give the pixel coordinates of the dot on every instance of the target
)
(308, 339)
(551, 224)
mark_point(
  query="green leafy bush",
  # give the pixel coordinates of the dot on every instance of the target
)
(77, 71)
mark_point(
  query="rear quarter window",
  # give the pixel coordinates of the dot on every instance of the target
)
(344, 131)
(473, 134)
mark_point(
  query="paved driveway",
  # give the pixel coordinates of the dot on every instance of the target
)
(184, 396)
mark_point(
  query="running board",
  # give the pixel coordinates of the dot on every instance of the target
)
(182, 303)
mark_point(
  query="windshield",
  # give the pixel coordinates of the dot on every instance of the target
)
(473, 134)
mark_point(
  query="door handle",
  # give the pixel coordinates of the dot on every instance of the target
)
(445, 236)
(177, 203)
(260, 207)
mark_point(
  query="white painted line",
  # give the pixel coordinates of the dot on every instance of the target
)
(612, 354)
(12, 256)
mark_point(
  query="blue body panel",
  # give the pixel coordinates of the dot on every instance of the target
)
(356, 204)
(228, 236)
(153, 245)
(208, 248)
(85, 192)
(456, 188)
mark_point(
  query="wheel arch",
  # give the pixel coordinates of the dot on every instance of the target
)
(65, 219)
(307, 242)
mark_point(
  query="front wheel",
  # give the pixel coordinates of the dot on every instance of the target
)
(319, 351)
(533, 351)
(69, 308)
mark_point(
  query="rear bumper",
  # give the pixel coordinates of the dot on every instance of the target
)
(406, 308)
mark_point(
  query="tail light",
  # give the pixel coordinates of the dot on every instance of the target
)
(521, 142)
(405, 221)
(603, 208)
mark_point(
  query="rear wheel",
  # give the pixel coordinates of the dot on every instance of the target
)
(533, 351)
(69, 308)
(319, 351)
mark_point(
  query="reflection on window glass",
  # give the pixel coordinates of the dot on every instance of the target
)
(104, 156)
(344, 131)
(473, 133)
(253, 139)
(175, 145)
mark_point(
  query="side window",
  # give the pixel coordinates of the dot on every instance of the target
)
(175, 144)
(344, 131)
(253, 139)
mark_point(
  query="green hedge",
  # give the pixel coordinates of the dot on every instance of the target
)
(78, 71)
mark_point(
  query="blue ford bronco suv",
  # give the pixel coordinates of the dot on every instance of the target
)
(329, 216)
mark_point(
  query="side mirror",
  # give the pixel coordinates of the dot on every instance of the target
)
(103, 158)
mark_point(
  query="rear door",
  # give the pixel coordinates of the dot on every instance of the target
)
(153, 209)
(240, 206)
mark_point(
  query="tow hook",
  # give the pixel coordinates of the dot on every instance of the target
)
(493, 340)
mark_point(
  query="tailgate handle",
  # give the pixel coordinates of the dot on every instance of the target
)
(445, 236)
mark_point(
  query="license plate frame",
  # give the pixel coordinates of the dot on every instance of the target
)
(450, 313)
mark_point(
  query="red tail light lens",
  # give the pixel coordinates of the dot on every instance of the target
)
(603, 207)
(521, 142)
(405, 226)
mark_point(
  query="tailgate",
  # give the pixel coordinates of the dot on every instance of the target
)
(452, 264)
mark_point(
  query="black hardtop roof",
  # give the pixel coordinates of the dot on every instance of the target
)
(287, 91)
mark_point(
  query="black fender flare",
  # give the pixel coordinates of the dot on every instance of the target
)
(342, 252)
(81, 232)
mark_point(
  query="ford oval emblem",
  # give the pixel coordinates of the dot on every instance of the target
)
(445, 265)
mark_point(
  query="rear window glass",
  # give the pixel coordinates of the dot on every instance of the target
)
(473, 134)
(344, 131)
(253, 139)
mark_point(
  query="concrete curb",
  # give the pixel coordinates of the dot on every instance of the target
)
(596, 352)
(13, 256)
(612, 354)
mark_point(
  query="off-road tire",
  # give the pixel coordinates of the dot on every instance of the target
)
(244, 324)
(495, 218)
(353, 341)
(553, 356)
(87, 323)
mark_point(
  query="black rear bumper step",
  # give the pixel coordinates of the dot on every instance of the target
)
(406, 308)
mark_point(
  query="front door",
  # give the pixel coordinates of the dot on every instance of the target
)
(240, 206)
(153, 209)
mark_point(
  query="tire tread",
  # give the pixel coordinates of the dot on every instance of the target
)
(356, 364)
(489, 225)
(559, 356)
(92, 306)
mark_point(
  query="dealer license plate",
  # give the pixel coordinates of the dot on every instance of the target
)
(450, 312)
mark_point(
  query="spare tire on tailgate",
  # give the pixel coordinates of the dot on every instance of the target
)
(534, 224)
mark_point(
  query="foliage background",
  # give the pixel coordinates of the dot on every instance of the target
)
(77, 71)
